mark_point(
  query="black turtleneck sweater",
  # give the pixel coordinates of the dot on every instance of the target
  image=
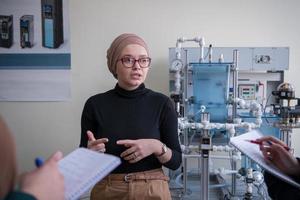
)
(138, 114)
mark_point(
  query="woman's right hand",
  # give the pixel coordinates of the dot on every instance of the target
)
(96, 145)
(45, 182)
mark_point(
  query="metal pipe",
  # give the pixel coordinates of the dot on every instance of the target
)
(211, 156)
(210, 53)
(184, 95)
(204, 178)
(205, 146)
(235, 81)
(185, 142)
(177, 82)
(184, 176)
(201, 44)
(233, 177)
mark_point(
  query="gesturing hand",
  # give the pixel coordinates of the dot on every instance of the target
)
(139, 149)
(96, 145)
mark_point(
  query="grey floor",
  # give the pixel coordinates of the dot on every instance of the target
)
(193, 191)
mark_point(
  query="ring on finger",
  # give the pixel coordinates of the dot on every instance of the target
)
(134, 156)
(269, 155)
(101, 150)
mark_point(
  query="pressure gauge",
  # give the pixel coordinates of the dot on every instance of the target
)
(176, 65)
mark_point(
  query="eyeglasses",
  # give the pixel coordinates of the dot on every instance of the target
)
(129, 62)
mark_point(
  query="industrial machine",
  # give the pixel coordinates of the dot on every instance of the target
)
(6, 31)
(52, 23)
(220, 92)
(26, 31)
(287, 107)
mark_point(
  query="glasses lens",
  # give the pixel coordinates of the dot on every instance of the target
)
(128, 62)
(144, 62)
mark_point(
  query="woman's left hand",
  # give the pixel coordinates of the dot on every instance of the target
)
(139, 149)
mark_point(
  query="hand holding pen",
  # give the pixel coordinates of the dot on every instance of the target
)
(268, 143)
(39, 161)
(45, 182)
(278, 153)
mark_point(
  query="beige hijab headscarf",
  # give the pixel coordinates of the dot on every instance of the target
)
(117, 46)
(7, 159)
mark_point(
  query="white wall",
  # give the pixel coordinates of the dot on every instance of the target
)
(43, 127)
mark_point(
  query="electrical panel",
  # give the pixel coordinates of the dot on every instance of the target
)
(52, 23)
(247, 92)
(6, 31)
(26, 31)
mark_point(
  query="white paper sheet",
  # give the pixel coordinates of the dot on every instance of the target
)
(253, 152)
(83, 168)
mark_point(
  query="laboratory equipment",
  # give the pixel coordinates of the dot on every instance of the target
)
(287, 107)
(218, 97)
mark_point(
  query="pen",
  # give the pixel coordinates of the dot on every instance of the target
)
(39, 162)
(268, 142)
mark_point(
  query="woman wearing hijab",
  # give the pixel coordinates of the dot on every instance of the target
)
(134, 123)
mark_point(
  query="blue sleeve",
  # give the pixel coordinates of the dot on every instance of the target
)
(18, 195)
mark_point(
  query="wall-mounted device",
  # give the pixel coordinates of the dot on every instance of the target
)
(6, 31)
(52, 23)
(26, 31)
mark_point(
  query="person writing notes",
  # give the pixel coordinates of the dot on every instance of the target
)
(44, 183)
(134, 123)
(277, 152)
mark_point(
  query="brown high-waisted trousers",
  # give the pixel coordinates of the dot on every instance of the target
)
(152, 185)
